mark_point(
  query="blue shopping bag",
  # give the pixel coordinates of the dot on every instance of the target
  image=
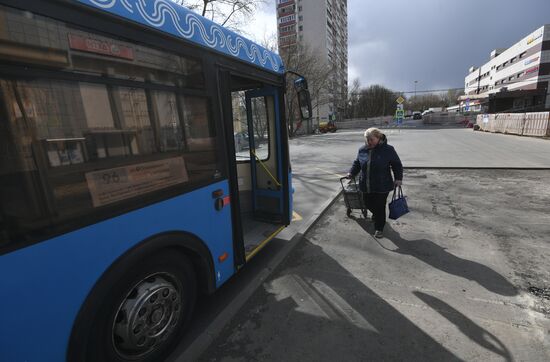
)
(398, 205)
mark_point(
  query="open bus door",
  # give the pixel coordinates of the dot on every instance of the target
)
(260, 176)
(259, 173)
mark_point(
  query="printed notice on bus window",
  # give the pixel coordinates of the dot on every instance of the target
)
(121, 183)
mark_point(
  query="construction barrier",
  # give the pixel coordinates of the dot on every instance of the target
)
(528, 124)
(491, 125)
(537, 124)
(514, 123)
(498, 122)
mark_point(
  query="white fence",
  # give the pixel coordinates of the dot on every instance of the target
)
(526, 124)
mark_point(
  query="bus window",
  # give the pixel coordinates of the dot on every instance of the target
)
(260, 127)
(133, 115)
(240, 126)
(67, 133)
(171, 132)
(259, 118)
(200, 138)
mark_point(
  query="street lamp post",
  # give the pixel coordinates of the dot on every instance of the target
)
(415, 88)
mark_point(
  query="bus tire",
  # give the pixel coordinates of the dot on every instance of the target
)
(146, 312)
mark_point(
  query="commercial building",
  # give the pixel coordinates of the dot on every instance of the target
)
(514, 79)
(320, 26)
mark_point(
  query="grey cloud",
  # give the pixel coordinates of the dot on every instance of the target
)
(433, 41)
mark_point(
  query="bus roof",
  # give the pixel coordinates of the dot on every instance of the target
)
(177, 20)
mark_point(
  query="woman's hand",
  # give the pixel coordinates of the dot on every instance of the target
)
(397, 183)
(349, 175)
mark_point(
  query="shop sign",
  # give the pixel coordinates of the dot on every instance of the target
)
(529, 61)
(532, 38)
(532, 70)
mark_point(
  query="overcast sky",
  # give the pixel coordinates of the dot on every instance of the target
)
(395, 42)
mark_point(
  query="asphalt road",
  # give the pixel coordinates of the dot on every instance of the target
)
(319, 160)
(317, 163)
(453, 280)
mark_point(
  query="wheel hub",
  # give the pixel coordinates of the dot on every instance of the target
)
(147, 316)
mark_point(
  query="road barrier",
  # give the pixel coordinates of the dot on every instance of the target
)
(537, 124)
(447, 119)
(365, 123)
(526, 124)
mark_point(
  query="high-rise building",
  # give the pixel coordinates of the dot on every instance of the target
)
(322, 27)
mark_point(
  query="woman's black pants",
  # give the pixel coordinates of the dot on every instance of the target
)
(376, 203)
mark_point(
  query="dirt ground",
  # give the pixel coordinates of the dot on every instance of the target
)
(464, 276)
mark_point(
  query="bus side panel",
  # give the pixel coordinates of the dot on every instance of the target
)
(48, 282)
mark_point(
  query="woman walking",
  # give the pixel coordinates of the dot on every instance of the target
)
(373, 164)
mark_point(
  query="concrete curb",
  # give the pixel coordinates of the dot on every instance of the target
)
(203, 341)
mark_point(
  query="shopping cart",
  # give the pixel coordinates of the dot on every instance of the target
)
(353, 197)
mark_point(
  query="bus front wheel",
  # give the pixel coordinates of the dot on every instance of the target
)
(146, 312)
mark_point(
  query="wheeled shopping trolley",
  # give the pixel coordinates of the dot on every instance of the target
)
(353, 197)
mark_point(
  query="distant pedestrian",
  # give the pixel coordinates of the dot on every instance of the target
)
(373, 164)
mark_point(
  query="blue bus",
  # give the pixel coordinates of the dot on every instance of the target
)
(143, 160)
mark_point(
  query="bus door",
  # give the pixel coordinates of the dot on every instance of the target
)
(266, 171)
(259, 180)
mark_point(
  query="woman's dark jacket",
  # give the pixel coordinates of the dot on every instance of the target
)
(373, 167)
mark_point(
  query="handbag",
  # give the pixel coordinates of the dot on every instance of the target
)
(398, 205)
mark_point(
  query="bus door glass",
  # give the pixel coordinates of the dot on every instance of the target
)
(262, 108)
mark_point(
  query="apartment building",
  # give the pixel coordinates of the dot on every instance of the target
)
(322, 26)
(514, 79)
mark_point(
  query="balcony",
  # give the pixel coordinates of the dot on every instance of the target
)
(283, 3)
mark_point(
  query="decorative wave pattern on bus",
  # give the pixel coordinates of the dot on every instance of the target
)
(182, 22)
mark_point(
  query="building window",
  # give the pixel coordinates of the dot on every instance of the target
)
(513, 59)
(288, 28)
(299, 8)
(300, 18)
(301, 28)
(286, 19)
(522, 55)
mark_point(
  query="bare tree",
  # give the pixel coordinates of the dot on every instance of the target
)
(376, 100)
(425, 101)
(451, 97)
(353, 99)
(229, 13)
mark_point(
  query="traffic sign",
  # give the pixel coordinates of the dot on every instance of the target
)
(400, 100)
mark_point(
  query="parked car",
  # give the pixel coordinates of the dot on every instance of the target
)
(417, 115)
(325, 127)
